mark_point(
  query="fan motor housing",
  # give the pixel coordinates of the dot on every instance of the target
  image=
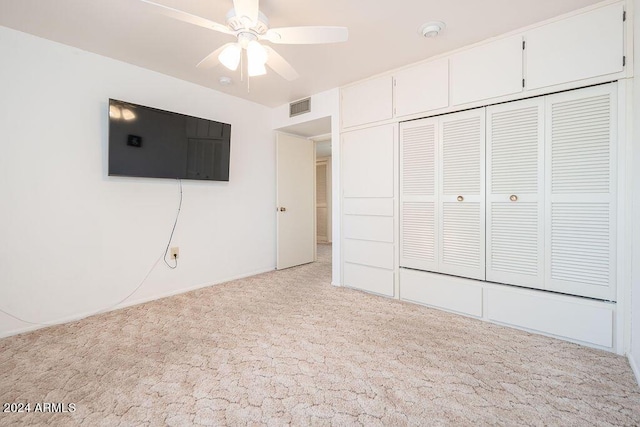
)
(237, 23)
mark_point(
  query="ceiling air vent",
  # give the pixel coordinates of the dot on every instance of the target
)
(300, 107)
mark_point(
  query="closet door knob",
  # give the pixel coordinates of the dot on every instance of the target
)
(460, 198)
(513, 198)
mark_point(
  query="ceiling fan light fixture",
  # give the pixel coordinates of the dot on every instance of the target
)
(256, 58)
(256, 52)
(230, 56)
(431, 29)
(247, 24)
(256, 69)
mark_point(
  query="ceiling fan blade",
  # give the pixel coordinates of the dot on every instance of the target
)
(280, 65)
(187, 17)
(247, 9)
(307, 35)
(212, 60)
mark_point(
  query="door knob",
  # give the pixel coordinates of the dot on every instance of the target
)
(513, 198)
(460, 198)
(283, 209)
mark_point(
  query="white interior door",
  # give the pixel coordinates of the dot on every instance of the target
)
(295, 201)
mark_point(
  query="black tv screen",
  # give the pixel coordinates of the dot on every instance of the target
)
(147, 142)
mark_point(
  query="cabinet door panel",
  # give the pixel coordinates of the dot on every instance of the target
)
(584, 46)
(369, 279)
(374, 254)
(367, 102)
(418, 194)
(374, 228)
(367, 162)
(461, 194)
(487, 71)
(422, 88)
(515, 209)
(580, 239)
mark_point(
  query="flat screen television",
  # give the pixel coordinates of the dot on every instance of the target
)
(147, 142)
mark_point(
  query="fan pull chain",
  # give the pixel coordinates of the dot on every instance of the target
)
(242, 65)
(241, 70)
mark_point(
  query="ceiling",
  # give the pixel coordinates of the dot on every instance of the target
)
(382, 35)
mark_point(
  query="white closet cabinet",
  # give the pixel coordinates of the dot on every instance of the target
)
(515, 179)
(367, 102)
(487, 71)
(422, 88)
(580, 239)
(461, 194)
(368, 205)
(587, 45)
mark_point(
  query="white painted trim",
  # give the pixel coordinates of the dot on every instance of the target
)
(634, 367)
(315, 204)
(336, 197)
(396, 210)
(624, 215)
(85, 315)
(321, 138)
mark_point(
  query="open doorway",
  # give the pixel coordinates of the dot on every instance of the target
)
(323, 188)
(318, 134)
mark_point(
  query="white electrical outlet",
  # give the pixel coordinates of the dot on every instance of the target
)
(175, 252)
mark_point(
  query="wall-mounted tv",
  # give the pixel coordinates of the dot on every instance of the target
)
(147, 142)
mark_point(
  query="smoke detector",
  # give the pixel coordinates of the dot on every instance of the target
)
(431, 29)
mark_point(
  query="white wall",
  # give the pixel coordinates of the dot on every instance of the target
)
(74, 240)
(635, 170)
(323, 104)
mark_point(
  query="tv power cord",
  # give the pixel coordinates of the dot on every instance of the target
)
(104, 310)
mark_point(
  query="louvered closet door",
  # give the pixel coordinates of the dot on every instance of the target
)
(515, 178)
(461, 194)
(580, 209)
(418, 194)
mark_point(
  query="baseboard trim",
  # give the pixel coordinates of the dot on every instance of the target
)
(194, 288)
(84, 315)
(634, 367)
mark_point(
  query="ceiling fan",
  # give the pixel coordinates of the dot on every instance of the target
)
(251, 27)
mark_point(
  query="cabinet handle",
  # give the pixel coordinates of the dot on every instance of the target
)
(513, 198)
(283, 209)
(460, 198)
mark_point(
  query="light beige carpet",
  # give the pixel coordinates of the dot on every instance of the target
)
(287, 347)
